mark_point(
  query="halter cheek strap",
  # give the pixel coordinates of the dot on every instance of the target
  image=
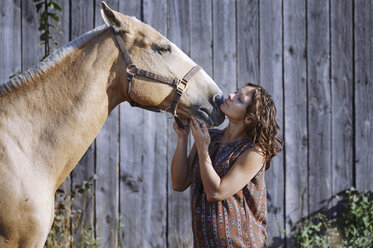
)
(132, 71)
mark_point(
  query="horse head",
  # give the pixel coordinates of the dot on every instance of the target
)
(154, 60)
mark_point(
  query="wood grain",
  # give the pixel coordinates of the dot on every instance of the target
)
(363, 74)
(10, 39)
(319, 101)
(342, 96)
(271, 78)
(295, 107)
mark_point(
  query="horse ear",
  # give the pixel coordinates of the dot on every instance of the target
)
(111, 18)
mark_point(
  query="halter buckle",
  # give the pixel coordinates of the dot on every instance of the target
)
(182, 82)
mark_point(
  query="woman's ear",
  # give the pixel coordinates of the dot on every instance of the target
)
(111, 18)
(246, 119)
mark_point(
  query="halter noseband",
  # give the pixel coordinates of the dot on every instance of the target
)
(133, 71)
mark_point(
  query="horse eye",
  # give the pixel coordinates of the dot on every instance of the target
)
(164, 49)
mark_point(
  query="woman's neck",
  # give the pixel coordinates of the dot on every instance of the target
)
(233, 132)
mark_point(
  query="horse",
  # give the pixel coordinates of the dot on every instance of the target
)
(50, 114)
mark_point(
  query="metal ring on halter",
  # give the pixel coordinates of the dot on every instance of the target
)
(131, 70)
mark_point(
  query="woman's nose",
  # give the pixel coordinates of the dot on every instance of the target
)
(230, 96)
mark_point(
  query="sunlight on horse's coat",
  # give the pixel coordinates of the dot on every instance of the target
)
(50, 115)
(49, 62)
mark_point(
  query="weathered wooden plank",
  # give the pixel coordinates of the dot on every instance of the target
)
(133, 160)
(131, 8)
(319, 117)
(271, 78)
(363, 93)
(179, 24)
(179, 231)
(31, 52)
(10, 39)
(295, 98)
(247, 42)
(224, 47)
(107, 167)
(81, 17)
(201, 34)
(342, 95)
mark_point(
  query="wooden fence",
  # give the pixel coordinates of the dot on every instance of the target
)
(315, 57)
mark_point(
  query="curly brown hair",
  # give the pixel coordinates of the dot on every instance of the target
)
(261, 125)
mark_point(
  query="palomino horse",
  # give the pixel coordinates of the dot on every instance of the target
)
(51, 114)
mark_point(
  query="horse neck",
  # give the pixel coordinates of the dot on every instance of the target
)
(57, 116)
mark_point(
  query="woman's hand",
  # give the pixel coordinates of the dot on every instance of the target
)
(201, 136)
(181, 133)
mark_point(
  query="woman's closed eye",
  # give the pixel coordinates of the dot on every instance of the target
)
(239, 97)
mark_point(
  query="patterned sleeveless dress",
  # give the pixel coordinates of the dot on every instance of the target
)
(238, 221)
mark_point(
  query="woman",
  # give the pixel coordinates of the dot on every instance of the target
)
(225, 170)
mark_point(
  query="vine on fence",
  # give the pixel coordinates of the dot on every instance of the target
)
(49, 11)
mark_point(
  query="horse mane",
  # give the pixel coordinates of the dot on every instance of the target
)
(50, 61)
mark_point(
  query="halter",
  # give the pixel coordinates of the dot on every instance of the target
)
(132, 71)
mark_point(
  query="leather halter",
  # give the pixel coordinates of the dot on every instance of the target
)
(133, 71)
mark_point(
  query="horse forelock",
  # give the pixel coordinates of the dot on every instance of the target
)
(50, 61)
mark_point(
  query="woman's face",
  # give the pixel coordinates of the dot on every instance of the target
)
(236, 103)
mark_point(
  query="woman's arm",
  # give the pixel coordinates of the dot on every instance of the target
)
(244, 169)
(181, 164)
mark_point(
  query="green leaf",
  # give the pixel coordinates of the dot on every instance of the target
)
(54, 5)
(56, 28)
(55, 42)
(95, 177)
(43, 17)
(43, 37)
(39, 6)
(54, 17)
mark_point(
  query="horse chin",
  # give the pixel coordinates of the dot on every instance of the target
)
(209, 122)
(210, 119)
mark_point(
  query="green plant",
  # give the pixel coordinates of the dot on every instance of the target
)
(89, 238)
(66, 219)
(49, 12)
(353, 229)
(60, 231)
(120, 227)
(356, 222)
(312, 232)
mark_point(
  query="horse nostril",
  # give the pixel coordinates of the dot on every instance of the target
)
(219, 100)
